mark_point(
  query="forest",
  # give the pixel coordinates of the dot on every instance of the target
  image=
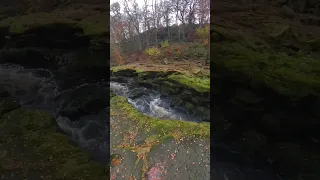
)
(159, 29)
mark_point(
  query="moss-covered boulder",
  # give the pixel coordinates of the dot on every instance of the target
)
(37, 151)
(56, 29)
(252, 82)
(8, 104)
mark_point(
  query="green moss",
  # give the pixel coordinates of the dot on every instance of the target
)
(50, 150)
(199, 84)
(95, 25)
(7, 128)
(164, 128)
(6, 22)
(120, 68)
(291, 76)
(73, 169)
(28, 119)
(91, 25)
(315, 44)
(20, 24)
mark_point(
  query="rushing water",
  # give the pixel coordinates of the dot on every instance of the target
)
(151, 102)
(39, 88)
(52, 91)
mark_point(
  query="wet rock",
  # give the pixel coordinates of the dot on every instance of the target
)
(92, 131)
(124, 73)
(8, 104)
(137, 93)
(295, 160)
(154, 173)
(254, 140)
(3, 93)
(29, 119)
(29, 57)
(85, 100)
(288, 12)
(282, 2)
(7, 129)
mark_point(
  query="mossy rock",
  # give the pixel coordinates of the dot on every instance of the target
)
(95, 25)
(287, 75)
(315, 44)
(198, 84)
(9, 129)
(31, 120)
(46, 149)
(8, 104)
(91, 25)
(163, 128)
(20, 24)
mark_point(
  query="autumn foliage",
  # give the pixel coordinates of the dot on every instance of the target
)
(152, 52)
(117, 57)
(203, 34)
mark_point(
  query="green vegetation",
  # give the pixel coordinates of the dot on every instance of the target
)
(296, 75)
(95, 25)
(91, 25)
(152, 52)
(33, 132)
(314, 44)
(198, 84)
(20, 24)
(164, 128)
(194, 81)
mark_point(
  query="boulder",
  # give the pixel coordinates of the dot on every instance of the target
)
(8, 104)
(288, 12)
(85, 100)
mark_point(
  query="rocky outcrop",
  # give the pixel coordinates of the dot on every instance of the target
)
(192, 93)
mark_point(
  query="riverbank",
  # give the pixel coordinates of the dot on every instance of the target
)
(143, 146)
(31, 147)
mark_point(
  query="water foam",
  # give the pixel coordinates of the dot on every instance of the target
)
(151, 103)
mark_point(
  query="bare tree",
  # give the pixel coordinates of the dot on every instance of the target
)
(146, 20)
(203, 11)
(177, 9)
(191, 11)
(115, 27)
(182, 14)
(134, 15)
(166, 10)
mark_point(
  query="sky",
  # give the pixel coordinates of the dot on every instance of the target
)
(140, 2)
